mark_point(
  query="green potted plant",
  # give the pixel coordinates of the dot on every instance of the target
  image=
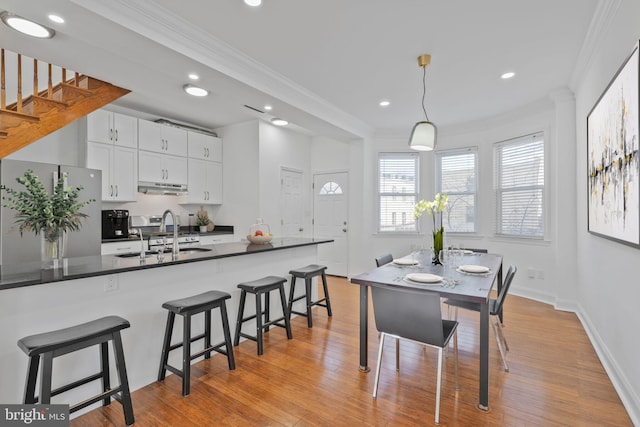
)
(202, 221)
(50, 216)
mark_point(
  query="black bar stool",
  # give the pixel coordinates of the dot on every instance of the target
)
(258, 288)
(308, 273)
(48, 345)
(187, 307)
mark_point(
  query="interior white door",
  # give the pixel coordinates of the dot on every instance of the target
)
(330, 201)
(291, 203)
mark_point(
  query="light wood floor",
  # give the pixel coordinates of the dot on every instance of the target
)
(555, 378)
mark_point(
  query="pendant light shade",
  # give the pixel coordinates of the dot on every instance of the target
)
(423, 134)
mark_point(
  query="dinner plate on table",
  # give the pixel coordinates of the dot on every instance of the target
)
(474, 269)
(423, 278)
(405, 261)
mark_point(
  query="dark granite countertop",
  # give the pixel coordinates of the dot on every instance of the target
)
(29, 274)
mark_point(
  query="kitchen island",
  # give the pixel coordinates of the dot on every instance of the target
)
(86, 288)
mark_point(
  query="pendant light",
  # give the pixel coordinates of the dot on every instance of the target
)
(423, 135)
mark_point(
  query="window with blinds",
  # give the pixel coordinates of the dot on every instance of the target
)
(519, 181)
(397, 191)
(456, 176)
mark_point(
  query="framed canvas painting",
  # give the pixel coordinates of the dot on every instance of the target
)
(612, 155)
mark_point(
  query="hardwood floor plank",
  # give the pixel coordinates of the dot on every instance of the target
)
(555, 378)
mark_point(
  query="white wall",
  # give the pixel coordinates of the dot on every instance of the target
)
(60, 147)
(607, 277)
(282, 148)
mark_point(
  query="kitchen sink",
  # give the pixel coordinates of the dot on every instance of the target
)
(167, 251)
(193, 250)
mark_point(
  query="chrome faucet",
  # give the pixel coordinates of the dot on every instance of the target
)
(163, 228)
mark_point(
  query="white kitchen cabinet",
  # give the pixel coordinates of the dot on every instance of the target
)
(204, 147)
(205, 183)
(112, 128)
(205, 170)
(212, 239)
(161, 138)
(122, 247)
(162, 168)
(119, 166)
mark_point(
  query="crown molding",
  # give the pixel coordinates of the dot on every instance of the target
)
(600, 23)
(154, 22)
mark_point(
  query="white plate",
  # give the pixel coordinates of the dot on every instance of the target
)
(474, 269)
(405, 261)
(423, 278)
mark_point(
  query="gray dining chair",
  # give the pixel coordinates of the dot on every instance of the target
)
(495, 306)
(420, 321)
(380, 261)
(383, 259)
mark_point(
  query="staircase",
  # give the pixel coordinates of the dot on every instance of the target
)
(45, 111)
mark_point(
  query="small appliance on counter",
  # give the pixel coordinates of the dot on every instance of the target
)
(115, 224)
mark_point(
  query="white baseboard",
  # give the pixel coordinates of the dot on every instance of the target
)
(629, 398)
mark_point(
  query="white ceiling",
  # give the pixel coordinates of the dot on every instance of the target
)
(324, 65)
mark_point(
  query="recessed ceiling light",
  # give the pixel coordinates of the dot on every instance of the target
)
(508, 75)
(25, 26)
(195, 90)
(194, 76)
(253, 2)
(268, 107)
(57, 19)
(279, 122)
(384, 103)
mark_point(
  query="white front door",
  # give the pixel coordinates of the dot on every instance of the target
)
(291, 203)
(330, 201)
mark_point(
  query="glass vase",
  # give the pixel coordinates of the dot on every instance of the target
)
(52, 248)
(438, 244)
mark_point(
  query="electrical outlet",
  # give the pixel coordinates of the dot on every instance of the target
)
(111, 284)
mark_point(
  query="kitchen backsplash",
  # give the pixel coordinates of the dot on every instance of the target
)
(156, 204)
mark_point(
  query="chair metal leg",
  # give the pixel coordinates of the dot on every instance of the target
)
(504, 338)
(397, 354)
(236, 338)
(259, 327)
(377, 378)
(164, 358)
(30, 382)
(186, 355)
(121, 369)
(438, 381)
(455, 357)
(504, 360)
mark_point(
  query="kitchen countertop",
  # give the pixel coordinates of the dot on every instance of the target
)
(29, 274)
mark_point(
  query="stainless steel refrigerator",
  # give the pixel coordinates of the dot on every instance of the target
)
(15, 248)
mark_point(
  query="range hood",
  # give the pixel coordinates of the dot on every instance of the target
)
(161, 188)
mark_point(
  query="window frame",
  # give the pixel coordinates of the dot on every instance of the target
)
(439, 155)
(379, 194)
(500, 191)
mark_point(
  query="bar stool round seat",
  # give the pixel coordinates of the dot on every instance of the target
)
(261, 287)
(308, 273)
(49, 345)
(187, 307)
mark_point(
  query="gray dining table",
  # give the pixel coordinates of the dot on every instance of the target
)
(468, 287)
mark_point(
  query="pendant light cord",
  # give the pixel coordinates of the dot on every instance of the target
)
(424, 90)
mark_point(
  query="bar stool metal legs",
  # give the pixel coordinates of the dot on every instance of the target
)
(187, 307)
(262, 287)
(308, 273)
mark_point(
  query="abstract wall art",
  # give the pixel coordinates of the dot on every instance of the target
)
(612, 156)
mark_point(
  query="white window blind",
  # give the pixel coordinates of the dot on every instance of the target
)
(456, 176)
(519, 180)
(397, 191)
